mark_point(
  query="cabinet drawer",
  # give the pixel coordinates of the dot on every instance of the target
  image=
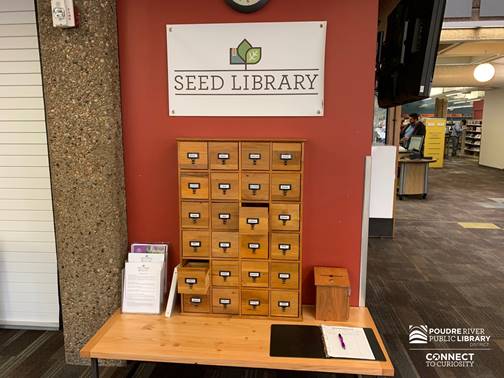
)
(284, 275)
(225, 244)
(284, 246)
(225, 186)
(284, 217)
(194, 215)
(254, 246)
(284, 303)
(254, 273)
(286, 186)
(254, 220)
(225, 301)
(255, 302)
(255, 156)
(193, 155)
(225, 216)
(195, 303)
(195, 243)
(255, 186)
(225, 273)
(286, 157)
(193, 277)
(194, 185)
(223, 155)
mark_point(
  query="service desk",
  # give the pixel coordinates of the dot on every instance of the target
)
(220, 341)
(414, 176)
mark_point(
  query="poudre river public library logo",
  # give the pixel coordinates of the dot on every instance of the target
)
(448, 347)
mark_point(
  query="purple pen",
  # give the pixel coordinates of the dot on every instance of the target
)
(341, 341)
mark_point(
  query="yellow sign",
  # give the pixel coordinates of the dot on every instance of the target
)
(434, 144)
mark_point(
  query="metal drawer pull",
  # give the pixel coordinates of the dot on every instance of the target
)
(284, 248)
(194, 186)
(196, 300)
(194, 217)
(193, 156)
(224, 245)
(285, 158)
(191, 281)
(254, 188)
(225, 302)
(254, 275)
(284, 218)
(254, 157)
(224, 217)
(223, 156)
(284, 276)
(195, 244)
(224, 274)
(224, 187)
(254, 303)
(254, 246)
(285, 188)
(253, 222)
(283, 305)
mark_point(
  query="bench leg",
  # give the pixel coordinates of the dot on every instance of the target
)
(95, 370)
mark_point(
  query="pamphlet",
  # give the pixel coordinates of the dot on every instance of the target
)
(346, 342)
(143, 287)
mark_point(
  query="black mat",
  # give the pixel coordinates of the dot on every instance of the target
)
(306, 342)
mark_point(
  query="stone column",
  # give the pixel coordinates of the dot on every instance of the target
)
(80, 72)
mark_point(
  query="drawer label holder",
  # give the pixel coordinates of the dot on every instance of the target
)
(284, 218)
(254, 156)
(254, 188)
(196, 300)
(254, 246)
(224, 187)
(223, 157)
(224, 245)
(254, 303)
(285, 188)
(195, 244)
(224, 274)
(285, 157)
(193, 156)
(194, 217)
(254, 275)
(224, 217)
(194, 186)
(284, 305)
(252, 222)
(225, 301)
(284, 247)
(284, 276)
(191, 281)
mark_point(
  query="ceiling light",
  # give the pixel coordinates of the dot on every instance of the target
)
(484, 72)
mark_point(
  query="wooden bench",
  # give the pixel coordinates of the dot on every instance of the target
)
(220, 341)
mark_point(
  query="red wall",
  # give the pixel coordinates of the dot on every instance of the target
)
(336, 143)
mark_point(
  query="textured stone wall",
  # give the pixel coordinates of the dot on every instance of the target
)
(81, 88)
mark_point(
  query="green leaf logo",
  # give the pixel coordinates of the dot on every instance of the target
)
(245, 54)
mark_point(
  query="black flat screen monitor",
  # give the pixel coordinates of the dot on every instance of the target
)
(409, 52)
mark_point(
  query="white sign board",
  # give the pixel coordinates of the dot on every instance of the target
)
(246, 69)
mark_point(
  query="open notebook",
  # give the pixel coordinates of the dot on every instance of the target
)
(311, 341)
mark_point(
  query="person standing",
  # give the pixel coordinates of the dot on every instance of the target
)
(455, 133)
(415, 128)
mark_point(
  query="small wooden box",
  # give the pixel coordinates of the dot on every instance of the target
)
(333, 294)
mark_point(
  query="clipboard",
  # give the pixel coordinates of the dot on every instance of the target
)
(304, 341)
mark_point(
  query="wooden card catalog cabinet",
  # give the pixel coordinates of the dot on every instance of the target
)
(241, 211)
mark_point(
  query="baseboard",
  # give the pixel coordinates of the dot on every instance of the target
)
(381, 227)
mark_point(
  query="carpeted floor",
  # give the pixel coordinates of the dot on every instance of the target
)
(434, 272)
